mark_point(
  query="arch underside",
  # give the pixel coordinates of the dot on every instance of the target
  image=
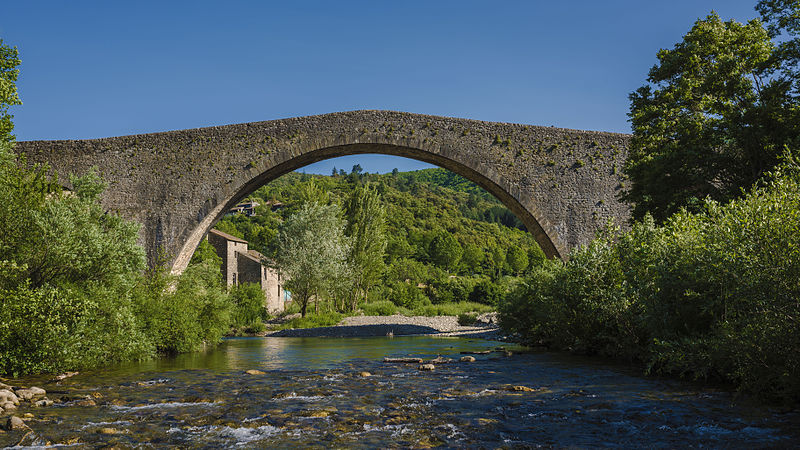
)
(547, 241)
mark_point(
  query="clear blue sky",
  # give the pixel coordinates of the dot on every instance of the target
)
(109, 68)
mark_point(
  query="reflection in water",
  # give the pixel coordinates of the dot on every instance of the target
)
(312, 394)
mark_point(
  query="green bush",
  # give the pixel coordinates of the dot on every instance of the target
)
(452, 309)
(326, 319)
(248, 304)
(467, 319)
(380, 308)
(487, 293)
(407, 295)
(708, 295)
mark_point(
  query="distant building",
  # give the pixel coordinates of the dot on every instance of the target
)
(240, 265)
(248, 208)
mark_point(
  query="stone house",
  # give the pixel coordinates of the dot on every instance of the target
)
(241, 265)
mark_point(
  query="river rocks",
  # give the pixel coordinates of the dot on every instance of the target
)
(64, 376)
(365, 374)
(4, 386)
(467, 359)
(318, 414)
(427, 367)
(15, 423)
(108, 430)
(43, 403)
(254, 372)
(86, 402)
(403, 360)
(519, 389)
(7, 406)
(7, 395)
(30, 393)
(440, 360)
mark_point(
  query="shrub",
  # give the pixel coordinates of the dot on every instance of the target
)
(380, 308)
(707, 295)
(248, 304)
(467, 319)
(487, 293)
(407, 295)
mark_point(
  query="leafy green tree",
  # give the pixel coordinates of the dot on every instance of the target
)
(497, 259)
(488, 293)
(445, 251)
(9, 60)
(248, 304)
(472, 258)
(517, 259)
(366, 229)
(312, 250)
(711, 120)
(782, 18)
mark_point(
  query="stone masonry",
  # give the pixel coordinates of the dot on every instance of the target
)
(242, 265)
(563, 184)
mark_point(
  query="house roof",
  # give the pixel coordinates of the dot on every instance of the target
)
(249, 256)
(226, 236)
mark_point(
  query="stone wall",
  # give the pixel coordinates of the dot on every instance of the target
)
(563, 184)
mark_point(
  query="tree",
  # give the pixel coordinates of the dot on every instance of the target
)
(312, 250)
(517, 259)
(445, 251)
(366, 229)
(472, 258)
(782, 18)
(9, 60)
(711, 120)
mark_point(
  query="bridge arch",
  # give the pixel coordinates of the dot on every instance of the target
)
(562, 184)
(549, 242)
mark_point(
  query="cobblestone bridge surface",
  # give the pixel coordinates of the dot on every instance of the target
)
(563, 184)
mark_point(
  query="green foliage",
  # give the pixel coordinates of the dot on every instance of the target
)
(467, 319)
(205, 254)
(487, 293)
(72, 290)
(452, 309)
(407, 295)
(366, 230)
(323, 319)
(9, 60)
(381, 308)
(445, 251)
(708, 295)
(712, 119)
(517, 259)
(248, 304)
(312, 251)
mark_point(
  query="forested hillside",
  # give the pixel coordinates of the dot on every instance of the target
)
(444, 234)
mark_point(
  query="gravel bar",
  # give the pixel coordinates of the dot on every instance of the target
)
(397, 325)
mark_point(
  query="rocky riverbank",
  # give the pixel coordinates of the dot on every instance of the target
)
(397, 325)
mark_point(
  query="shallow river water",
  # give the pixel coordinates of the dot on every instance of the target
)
(312, 394)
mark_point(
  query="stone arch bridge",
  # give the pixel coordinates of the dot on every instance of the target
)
(562, 184)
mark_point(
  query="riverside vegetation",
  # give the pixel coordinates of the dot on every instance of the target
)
(707, 283)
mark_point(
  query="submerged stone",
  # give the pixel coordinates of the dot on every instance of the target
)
(15, 423)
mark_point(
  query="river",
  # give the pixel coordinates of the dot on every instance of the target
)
(312, 394)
